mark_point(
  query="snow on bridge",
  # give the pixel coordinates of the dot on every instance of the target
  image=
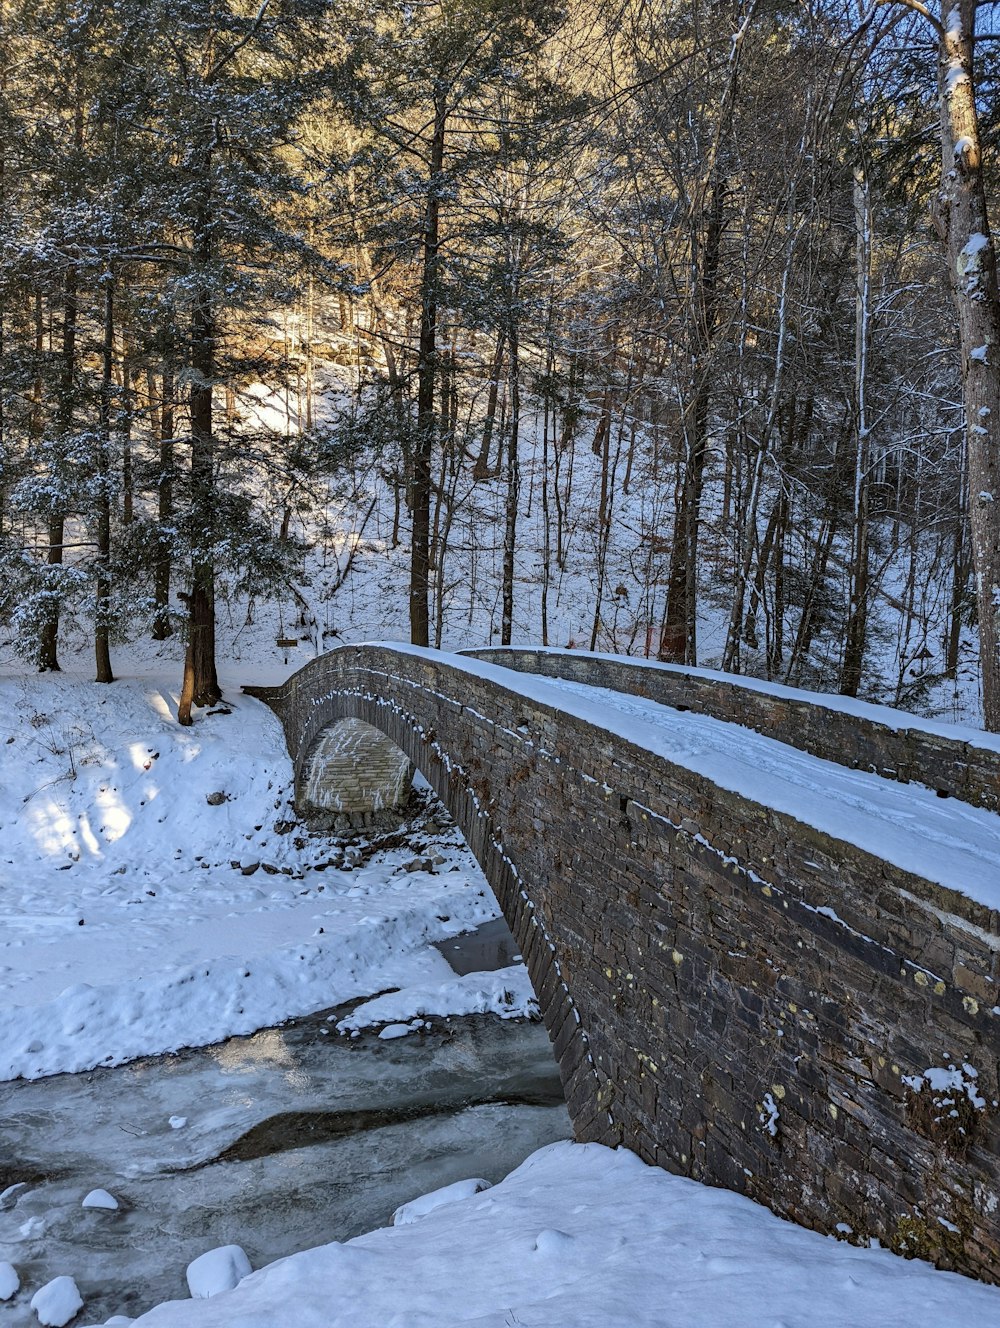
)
(759, 967)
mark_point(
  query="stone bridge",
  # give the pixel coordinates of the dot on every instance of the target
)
(732, 993)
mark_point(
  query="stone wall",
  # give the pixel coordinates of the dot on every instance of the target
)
(730, 993)
(863, 737)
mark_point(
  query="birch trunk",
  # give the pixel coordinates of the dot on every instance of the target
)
(962, 219)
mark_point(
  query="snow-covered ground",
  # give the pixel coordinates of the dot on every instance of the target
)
(580, 1236)
(156, 895)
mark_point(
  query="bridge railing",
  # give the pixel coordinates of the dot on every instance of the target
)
(957, 762)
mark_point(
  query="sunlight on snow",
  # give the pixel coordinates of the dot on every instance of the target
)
(52, 828)
(164, 703)
(376, 544)
(270, 408)
(58, 833)
(115, 815)
(141, 755)
(88, 837)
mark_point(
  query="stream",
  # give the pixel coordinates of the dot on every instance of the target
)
(292, 1137)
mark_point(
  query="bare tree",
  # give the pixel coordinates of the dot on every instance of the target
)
(961, 217)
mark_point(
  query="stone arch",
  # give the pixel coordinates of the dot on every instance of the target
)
(351, 776)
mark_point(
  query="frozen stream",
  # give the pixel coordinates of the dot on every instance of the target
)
(293, 1137)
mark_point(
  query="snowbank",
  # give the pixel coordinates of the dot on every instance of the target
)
(583, 1237)
(506, 992)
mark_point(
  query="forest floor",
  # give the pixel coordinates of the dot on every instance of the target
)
(158, 894)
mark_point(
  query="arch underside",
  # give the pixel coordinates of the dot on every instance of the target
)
(352, 777)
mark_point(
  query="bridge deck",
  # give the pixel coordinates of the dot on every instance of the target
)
(941, 839)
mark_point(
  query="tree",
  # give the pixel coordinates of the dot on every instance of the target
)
(229, 87)
(962, 217)
(424, 78)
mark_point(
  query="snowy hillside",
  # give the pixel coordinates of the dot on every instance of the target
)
(159, 893)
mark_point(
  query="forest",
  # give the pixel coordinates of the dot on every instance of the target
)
(655, 328)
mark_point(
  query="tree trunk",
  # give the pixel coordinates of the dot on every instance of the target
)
(448, 499)
(513, 481)
(162, 627)
(127, 411)
(856, 634)
(750, 635)
(776, 622)
(959, 578)
(678, 637)
(102, 604)
(199, 657)
(546, 515)
(35, 416)
(201, 683)
(423, 446)
(817, 575)
(963, 220)
(48, 657)
(482, 467)
(857, 614)
(731, 655)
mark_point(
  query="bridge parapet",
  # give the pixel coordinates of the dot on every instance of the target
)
(958, 762)
(732, 993)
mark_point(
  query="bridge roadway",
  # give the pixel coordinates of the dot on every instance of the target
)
(758, 966)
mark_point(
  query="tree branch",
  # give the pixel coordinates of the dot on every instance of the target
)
(233, 51)
(918, 8)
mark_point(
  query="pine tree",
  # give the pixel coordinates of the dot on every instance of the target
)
(421, 79)
(225, 90)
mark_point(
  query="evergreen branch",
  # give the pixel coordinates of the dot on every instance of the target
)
(245, 40)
